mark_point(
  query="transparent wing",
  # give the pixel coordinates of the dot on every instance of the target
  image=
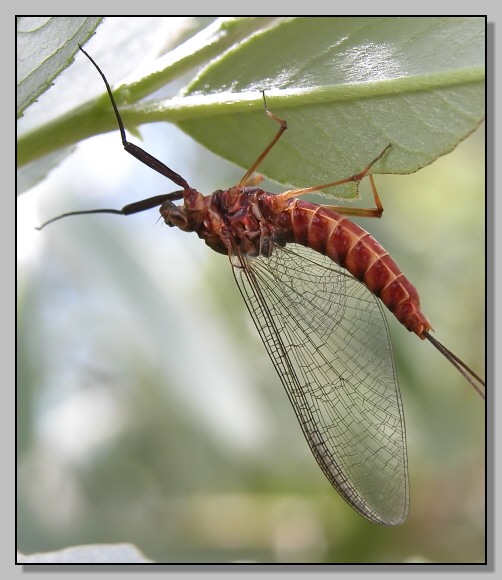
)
(328, 339)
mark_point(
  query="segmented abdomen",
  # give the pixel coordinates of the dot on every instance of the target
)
(357, 251)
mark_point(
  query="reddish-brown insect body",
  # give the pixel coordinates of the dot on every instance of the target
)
(250, 221)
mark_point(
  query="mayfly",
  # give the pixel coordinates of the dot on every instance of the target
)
(314, 283)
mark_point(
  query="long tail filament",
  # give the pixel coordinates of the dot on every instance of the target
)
(477, 382)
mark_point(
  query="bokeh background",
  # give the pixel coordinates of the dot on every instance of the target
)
(148, 411)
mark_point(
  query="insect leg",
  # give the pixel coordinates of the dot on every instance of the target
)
(375, 212)
(283, 126)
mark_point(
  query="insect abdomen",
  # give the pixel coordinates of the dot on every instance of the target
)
(352, 247)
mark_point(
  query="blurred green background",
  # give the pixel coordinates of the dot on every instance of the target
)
(148, 411)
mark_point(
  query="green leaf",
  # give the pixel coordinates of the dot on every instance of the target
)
(207, 44)
(347, 87)
(45, 47)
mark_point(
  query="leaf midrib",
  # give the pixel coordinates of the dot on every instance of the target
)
(192, 106)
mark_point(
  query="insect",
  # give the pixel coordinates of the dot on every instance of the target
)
(314, 283)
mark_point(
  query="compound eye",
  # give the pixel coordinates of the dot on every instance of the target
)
(178, 219)
(173, 215)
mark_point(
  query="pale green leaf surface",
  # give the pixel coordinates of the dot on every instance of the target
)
(45, 47)
(199, 49)
(347, 87)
